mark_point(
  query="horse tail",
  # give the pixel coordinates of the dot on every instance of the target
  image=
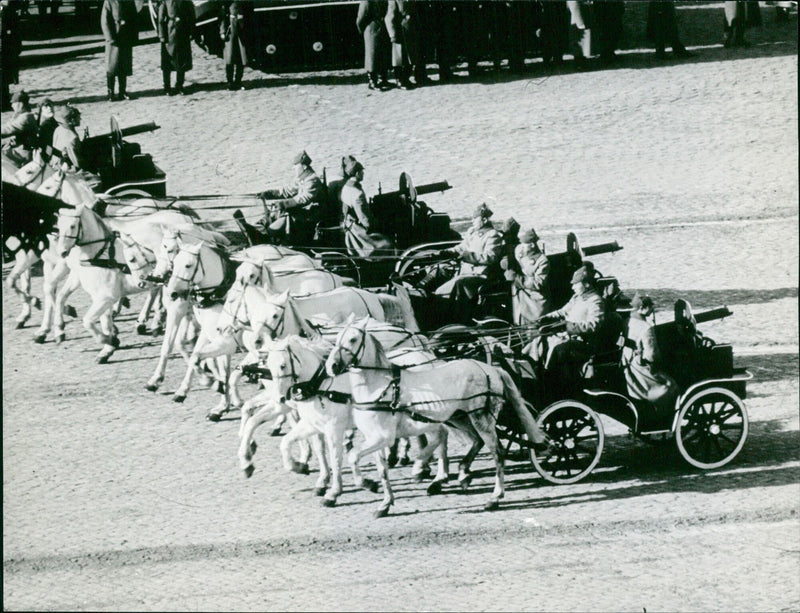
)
(512, 395)
(404, 302)
(187, 210)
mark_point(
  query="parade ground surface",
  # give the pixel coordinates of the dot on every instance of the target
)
(115, 498)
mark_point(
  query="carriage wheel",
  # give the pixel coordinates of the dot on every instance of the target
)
(712, 427)
(577, 442)
(419, 262)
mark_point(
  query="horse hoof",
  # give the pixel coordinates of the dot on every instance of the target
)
(60, 338)
(151, 387)
(179, 398)
(435, 488)
(253, 448)
(392, 460)
(464, 484)
(382, 512)
(213, 416)
(369, 484)
(102, 359)
(37, 304)
(327, 502)
(21, 324)
(492, 505)
(141, 330)
(157, 331)
(320, 491)
(423, 475)
(248, 472)
(304, 469)
(39, 339)
(125, 302)
(115, 342)
(275, 431)
(70, 310)
(405, 461)
(219, 388)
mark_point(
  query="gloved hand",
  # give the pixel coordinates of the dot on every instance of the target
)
(510, 275)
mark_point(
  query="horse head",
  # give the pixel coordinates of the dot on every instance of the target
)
(167, 250)
(248, 273)
(270, 313)
(69, 229)
(187, 269)
(136, 258)
(349, 348)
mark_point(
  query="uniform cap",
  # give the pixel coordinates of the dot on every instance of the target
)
(641, 302)
(529, 236)
(46, 102)
(301, 158)
(482, 211)
(582, 275)
(510, 226)
(351, 165)
(20, 96)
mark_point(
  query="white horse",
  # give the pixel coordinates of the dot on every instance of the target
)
(323, 404)
(97, 259)
(210, 271)
(466, 394)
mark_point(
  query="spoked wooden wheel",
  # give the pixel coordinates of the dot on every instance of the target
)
(577, 442)
(459, 341)
(712, 427)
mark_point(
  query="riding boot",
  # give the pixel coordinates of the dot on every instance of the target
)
(229, 75)
(738, 32)
(238, 71)
(166, 76)
(372, 82)
(401, 79)
(110, 87)
(123, 83)
(179, 75)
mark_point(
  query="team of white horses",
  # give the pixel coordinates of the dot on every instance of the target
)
(339, 358)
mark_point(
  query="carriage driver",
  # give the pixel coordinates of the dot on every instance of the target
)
(479, 253)
(571, 349)
(291, 213)
(530, 279)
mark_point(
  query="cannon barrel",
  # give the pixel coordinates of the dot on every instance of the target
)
(712, 314)
(140, 128)
(601, 248)
(428, 188)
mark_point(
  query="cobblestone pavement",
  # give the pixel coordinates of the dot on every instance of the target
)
(115, 498)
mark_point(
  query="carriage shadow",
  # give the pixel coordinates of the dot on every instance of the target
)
(702, 299)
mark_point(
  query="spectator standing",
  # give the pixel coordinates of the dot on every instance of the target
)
(370, 23)
(118, 22)
(10, 49)
(608, 19)
(580, 33)
(175, 27)
(401, 24)
(554, 30)
(738, 16)
(234, 32)
(662, 28)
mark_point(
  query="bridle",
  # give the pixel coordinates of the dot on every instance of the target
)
(277, 329)
(358, 353)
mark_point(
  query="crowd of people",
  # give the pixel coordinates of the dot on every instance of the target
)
(401, 37)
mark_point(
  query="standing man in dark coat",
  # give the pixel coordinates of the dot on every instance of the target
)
(401, 25)
(738, 16)
(10, 48)
(175, 27)
(608, 18)
(234, 31)
(554, 30)
(370, 23)
(118, 21)
(662, 28)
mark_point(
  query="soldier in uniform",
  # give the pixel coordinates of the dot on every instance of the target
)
(11, 48)
(738, 16)
(479, 253)
(402, 28)
(530, 280)
(20, 132)
(118, 22)
(359, 222)
(370, 23)
(66, 140)
(570, 350)
(47, 123)
(554, 30)
(291, 212)
(175, 27)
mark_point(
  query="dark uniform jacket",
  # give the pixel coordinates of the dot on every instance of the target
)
(118, 21)
(233, 29)
(175, 27)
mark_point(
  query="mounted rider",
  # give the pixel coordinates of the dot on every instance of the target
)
(479, 255)
(291, 212)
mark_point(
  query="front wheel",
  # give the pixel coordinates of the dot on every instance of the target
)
(712, 427)
(577, 442)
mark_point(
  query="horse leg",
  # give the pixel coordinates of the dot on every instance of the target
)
(53, 273)
(19, 280)
(176, 313)
(72, 283)
(246, 442)
(379, 439)
(100, 304)
(320, 452)
(484, 424)
(301, 430)
(464, 475)
(333, 434)
(141, 320)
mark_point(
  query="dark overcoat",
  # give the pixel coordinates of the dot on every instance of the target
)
(175, 27)
(11, 44)
(118, 21)
(234, 30)
(370, 22)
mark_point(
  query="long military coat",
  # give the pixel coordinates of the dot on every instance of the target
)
(175, 27)
(530, 290)
(370, 22)
(118, 21)
(234, 31)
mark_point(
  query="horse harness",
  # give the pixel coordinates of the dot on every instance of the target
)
(107, 245)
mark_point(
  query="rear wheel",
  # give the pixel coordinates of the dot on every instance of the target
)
(712, 428)
(577, 442)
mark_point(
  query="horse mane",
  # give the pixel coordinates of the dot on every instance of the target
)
(319, 346)
(199, 234)
(186, 210)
